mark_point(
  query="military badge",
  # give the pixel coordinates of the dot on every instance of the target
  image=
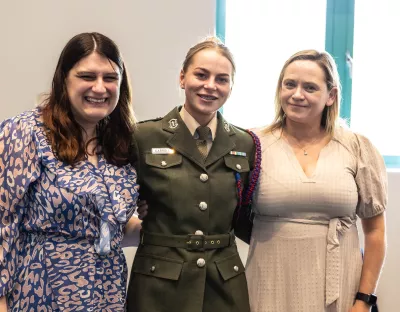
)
(173, 123)
(226, 126)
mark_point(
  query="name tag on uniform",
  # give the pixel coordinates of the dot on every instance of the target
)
(243, 154)
(162, 151)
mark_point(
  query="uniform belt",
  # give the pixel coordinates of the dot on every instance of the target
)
(190, 242)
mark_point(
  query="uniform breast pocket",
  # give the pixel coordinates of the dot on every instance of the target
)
(237, 163)
(162, 168)
(163, 161)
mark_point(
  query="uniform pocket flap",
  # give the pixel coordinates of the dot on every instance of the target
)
(230, 267)
(237, 163)
(158, 266)
(163, 161)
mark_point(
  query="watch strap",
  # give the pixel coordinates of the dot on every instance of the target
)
(370, 299)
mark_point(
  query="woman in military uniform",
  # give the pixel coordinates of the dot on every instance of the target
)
(191, 166)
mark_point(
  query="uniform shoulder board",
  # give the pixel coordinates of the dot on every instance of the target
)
(147, 120)
(239, 128)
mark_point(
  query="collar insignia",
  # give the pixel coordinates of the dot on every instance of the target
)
(226, 127)
(173, 123)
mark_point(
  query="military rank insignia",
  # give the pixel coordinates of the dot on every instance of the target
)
(243, 154)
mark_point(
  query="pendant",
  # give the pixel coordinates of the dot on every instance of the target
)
(305, 153)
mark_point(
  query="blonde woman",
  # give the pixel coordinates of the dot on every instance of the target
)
(188, 260)
(317, 178)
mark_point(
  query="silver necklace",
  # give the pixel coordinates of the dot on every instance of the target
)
(304, 148)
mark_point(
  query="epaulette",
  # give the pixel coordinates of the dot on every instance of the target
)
(234, 127)
(155, 119)
(240, 128)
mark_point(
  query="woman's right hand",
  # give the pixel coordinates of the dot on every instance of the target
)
(142, 209)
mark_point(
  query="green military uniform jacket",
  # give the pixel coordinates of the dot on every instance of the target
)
(185, 196)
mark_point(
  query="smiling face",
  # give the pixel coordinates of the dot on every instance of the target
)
(207, 83)
(93, 87)
(304, 92)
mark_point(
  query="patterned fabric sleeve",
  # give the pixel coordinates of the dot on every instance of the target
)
(371, 179)
(19, 167)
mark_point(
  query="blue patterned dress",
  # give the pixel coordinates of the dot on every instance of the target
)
(60, 226)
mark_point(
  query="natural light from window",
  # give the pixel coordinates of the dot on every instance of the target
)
(263, 34)
(376, 70)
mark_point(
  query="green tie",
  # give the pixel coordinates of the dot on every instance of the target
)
(201, 141)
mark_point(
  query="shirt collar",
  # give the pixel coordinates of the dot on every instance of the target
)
(192, 123)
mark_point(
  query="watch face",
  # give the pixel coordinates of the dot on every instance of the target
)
(372, 299)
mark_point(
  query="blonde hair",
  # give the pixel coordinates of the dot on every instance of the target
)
(209, 43)
(330, 115)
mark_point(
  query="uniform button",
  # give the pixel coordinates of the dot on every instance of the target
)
(201, 262)
(152, 269)
(203, 206)
(236, 268)
(238, 166)
(203, 177)
(163, 163)
(198, 232)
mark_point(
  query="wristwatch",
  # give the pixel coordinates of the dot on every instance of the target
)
(369, 299)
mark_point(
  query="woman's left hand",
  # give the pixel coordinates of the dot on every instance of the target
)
(360, 306)
(132, 232)
(142, 209)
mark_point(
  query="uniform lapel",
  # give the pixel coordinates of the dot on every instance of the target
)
(181, 140)
(223, 142)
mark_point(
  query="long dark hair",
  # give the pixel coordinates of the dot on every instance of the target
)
(114, 133)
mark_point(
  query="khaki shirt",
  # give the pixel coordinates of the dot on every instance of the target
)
(192, 126)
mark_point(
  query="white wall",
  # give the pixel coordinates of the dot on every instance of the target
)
(154, 36)
(389, 282)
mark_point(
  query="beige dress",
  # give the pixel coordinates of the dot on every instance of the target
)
(305, 253)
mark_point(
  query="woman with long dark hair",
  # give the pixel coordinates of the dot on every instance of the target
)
(67, 188)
